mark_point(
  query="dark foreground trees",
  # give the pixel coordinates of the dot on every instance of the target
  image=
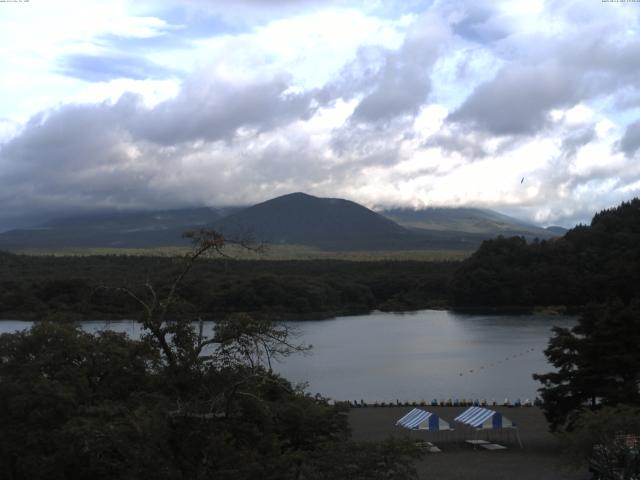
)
(177, 404)
(593, 397)
(609, 439)
(597, 363)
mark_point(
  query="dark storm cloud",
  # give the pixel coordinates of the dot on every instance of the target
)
(391, 83)
(552, 72)
(105, 67)
(518, 99)
(64, 141)
(402, 83)
(128, 155)
(74, 156)
(402, 87)
(214, 110)
(605, 56)
(630, 141)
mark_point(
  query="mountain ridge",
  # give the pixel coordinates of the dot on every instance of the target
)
(462, 219)
(329, 223)
(292, 219)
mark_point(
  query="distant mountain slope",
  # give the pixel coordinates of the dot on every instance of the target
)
(329, 223)
(476, 221)
(118, 229)
(146, 220)
(295, 219)
(556, 230)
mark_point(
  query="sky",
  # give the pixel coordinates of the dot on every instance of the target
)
(529, 108)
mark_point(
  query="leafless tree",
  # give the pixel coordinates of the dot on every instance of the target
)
(237, 339)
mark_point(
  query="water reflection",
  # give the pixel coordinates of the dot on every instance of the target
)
(412, 356)
(425, 355)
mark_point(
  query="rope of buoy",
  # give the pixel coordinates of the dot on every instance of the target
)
(498, 362)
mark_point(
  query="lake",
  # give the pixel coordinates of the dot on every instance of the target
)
(409, 356)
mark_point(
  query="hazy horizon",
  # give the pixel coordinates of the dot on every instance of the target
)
(39, 220)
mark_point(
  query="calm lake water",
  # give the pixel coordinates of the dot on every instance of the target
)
(410, 356)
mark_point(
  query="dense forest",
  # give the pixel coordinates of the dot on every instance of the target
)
(173, 405)
(39, 287)
(590, 264)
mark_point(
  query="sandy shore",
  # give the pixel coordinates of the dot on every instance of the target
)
(540, 458)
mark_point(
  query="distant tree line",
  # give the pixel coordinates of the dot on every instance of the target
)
(38, 287)
(590, 264)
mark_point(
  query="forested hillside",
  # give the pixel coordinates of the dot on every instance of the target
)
(38, 287)
(589, 264)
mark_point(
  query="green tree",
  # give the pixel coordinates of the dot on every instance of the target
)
(597, 363)
(609, 441)
(175, 404)
(56, 380)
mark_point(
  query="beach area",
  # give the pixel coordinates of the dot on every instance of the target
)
(540, 457)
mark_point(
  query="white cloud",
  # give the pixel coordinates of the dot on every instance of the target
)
(450, 105)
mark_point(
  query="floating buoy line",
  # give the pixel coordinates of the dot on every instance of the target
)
(496, 363)
(459, 402)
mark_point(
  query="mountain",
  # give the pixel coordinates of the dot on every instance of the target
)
(328, 223)
(556, 230)
(467, 222)
(117, 229)
(294, 219)
(336, 224)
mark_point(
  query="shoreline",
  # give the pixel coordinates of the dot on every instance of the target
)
(550, 310)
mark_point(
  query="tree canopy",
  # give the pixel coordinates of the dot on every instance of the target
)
(174, 405)
(37, 287)
(597, 363)
(589, 264)
(609, 439)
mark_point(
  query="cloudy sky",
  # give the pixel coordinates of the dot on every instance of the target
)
(161, 104)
